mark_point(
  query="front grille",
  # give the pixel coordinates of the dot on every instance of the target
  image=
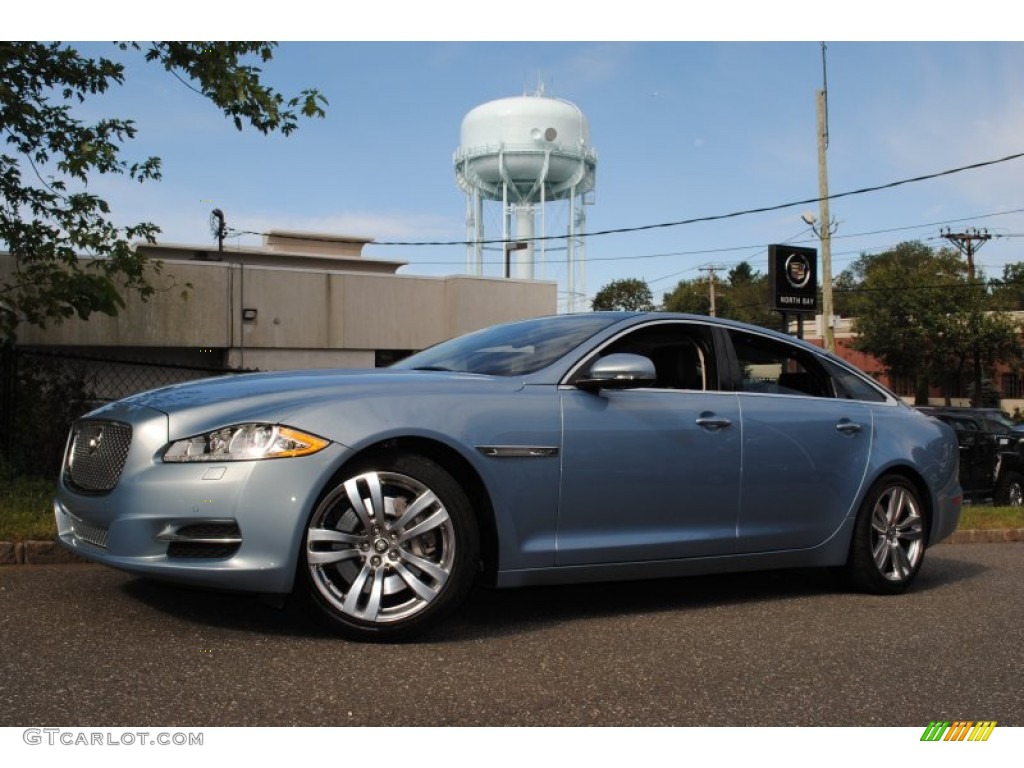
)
(97, 454)
(92, 534)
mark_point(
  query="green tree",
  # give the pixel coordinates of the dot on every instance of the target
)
(48, 216)
(743, 296)
(630, 294)
(748, 296)
(1008, 292)
(917, 312)
(690, 296)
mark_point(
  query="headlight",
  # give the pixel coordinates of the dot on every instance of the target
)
(245, 442)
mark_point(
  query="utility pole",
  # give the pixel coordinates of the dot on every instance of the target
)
(711, 269)
(825, 221)
(968, 242)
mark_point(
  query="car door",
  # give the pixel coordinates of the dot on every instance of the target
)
(977, 454)
(654, 473)
(805, 451)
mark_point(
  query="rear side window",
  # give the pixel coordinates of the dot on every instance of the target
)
(773, 367)
(852, 386)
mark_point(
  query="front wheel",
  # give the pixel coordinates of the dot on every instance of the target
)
(888, 538)
(390, 549)
(1010, 492)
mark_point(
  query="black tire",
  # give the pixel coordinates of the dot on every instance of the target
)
(889, 538)
(390, 549)
(1010, 492)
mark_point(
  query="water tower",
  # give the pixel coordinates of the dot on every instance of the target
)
(527, 152)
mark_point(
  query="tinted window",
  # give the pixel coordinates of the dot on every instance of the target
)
(681, 353)
(774, 367)
(853, 386)
(998, 423)
(963, 425)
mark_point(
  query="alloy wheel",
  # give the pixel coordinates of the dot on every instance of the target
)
(380, 547)
(897, 533)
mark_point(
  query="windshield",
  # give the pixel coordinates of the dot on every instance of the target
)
(999, 422)
(512, 349)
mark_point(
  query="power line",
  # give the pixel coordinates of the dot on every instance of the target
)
(702, 219)
(990, 283)
(235, 233)
(793, 239)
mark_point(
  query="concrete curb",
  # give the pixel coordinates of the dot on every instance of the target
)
(994, 536)
(52, 553)
(36, 553)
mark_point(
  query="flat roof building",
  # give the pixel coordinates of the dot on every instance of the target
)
(301, 300)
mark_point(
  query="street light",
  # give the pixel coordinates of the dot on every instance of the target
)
(516, 245)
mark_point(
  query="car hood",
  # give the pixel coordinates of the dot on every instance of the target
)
(282, 397)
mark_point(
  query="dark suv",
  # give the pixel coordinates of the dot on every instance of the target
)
(991, 453)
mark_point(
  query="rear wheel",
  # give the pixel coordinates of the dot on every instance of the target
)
(888, 539)
(390, 549)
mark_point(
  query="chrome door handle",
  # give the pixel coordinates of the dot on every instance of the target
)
(713, 423)
(848, 427)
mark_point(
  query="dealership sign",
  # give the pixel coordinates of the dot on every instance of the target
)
(793, 275)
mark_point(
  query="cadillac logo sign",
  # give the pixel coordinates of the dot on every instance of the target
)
(793, 275)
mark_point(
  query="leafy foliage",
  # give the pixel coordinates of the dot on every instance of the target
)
(743, 295)
(629, 294)
(917, 312)
(1008, 292)
(48, 216)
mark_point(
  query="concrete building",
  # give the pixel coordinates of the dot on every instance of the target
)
(302, 300)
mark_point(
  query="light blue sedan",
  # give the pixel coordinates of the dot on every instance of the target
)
(576, 448)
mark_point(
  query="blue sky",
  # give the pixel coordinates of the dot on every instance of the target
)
(682, 130)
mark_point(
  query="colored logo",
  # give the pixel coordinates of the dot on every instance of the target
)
(958, 730)
(798, 270)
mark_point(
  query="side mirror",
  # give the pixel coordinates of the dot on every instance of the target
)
(618, 371)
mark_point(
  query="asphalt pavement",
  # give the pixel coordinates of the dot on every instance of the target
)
(86, 645)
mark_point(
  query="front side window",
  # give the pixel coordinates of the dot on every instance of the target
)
(681, 353)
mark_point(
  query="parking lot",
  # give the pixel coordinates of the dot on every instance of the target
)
(84, 644)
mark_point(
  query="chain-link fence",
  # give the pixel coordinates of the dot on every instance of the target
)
(42, 393)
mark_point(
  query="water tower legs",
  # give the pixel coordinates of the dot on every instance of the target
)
(522, 257)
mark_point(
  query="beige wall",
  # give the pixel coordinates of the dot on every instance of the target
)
(469, 299)
(166, 320)
(307, 318)
(287, 359)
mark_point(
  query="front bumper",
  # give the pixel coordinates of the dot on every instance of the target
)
(228, 525)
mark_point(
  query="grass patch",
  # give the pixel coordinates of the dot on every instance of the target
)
(26, 510)
(986, 518)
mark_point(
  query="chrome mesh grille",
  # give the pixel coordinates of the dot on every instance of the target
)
(97, 454)
(92, 534)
